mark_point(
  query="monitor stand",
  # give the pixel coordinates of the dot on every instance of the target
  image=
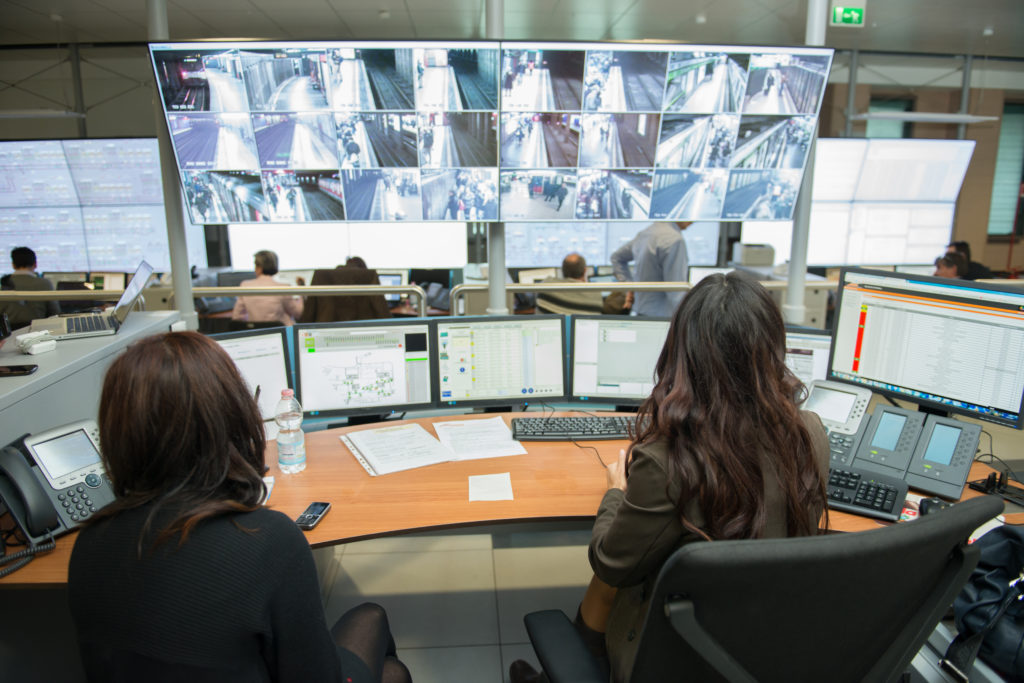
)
(626, 409)
(928, 410)
(365, 419)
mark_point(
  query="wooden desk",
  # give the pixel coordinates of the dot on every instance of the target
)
(555, 481)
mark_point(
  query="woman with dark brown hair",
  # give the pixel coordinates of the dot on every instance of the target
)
(722, 453)
(186, 576)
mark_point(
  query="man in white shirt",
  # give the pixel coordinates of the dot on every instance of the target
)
(658, 253)
(281, 309)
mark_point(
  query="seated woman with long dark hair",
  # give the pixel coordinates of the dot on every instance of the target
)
(722, 453)
(186, 577)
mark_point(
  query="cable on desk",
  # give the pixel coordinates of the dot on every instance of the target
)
(23, 557)
(596, 452)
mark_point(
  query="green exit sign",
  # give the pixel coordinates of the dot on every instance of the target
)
(847, 16)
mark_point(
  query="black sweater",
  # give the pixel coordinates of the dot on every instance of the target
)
(230, 604)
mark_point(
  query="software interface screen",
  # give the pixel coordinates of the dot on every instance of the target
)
(956, 345)
(262, 363)
(351, 368)
(66, 454)
(501, 360)
(488, 131)
(615, 359)
(807, 355)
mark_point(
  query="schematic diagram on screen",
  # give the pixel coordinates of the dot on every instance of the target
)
(362, 381)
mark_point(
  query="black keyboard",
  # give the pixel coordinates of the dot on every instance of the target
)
(866, 493)
(572, 428)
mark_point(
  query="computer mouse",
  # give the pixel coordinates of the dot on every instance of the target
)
(929, 505)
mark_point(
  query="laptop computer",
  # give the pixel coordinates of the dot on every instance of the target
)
(97, 324)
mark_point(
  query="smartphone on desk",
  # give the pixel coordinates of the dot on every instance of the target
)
(17, 370)
(312, 515)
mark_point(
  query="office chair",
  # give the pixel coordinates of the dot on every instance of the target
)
(325, 309)
(839, 607)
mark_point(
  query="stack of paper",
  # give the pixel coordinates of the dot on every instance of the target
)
(403, 447)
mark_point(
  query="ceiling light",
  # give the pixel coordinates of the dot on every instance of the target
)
(701, 18)
(384, 14)
(923, 117)
(39, 114)
(56, 17)
(988, 31)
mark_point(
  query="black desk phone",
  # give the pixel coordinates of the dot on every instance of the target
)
(930, 453)
(53, 481)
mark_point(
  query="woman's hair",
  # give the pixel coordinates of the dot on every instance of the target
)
(266, 261)
(181, 432)
(725, 404)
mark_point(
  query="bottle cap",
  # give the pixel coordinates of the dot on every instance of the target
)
(287, 393)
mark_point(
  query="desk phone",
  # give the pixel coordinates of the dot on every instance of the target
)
(929, 452)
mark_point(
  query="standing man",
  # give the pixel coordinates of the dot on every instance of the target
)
(24, 277)
(659, 254)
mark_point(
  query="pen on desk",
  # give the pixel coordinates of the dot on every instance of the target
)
(257, 396)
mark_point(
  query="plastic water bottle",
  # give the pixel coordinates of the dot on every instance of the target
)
(291, 442)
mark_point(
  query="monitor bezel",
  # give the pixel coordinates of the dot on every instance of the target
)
(289, 365)
(369, 410)
(590, 398)
(502, 402)
(927, 404)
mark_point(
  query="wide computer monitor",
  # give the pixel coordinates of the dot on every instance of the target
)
(807, 353)
(364, 368)
(953, 346)
(613, 357)
(262, 359)
(501, 360)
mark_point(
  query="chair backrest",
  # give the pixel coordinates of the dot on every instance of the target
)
(326, 309)
(839, 607)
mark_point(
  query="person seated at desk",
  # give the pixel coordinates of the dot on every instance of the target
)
(723, 453)
(25, 278)
(565, 302)
(327, 309)
(975, 270)
(261, 309)
(951, 265)
(185, 576)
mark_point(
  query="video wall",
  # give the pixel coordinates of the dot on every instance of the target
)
(86, 205)
(877, 201)
(428, 131)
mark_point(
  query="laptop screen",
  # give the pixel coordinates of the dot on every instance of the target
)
(132, 291)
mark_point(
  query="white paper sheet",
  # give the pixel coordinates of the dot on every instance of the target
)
(476, 439)
(393, 449)
(490, 487)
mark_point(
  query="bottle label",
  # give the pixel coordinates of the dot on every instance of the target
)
(291, 454)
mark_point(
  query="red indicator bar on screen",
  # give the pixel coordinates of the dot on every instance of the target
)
(860, 337)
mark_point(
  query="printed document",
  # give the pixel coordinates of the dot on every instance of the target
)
(393, 449)
(476, 439)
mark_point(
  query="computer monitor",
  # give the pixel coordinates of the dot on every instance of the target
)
(262, 359)
(807, 353)
(501, 360)
(110, 282)
(613, 357)
(948, 345)
(393, 278)
(528, 276)
(364, 367)
(234, 278)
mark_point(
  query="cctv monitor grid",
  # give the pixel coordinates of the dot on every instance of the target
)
(297, 132)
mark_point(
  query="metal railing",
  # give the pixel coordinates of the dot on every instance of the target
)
(319, 290)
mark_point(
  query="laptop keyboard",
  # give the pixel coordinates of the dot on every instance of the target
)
(90, 323)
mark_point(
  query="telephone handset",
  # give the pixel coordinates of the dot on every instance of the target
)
(53, 481)
(841, 408)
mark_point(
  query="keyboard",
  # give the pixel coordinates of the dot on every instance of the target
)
(572, 428)
(90, 323)
(866, 493)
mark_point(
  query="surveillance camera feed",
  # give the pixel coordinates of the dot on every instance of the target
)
(484, 131)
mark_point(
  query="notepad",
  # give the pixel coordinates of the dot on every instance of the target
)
(393, 449)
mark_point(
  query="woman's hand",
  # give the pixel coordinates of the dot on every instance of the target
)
(616, 472)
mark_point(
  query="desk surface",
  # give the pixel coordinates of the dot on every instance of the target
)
(554, 481)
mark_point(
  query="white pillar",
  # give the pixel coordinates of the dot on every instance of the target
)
(180, 271)
(495, 23)
(793, 310)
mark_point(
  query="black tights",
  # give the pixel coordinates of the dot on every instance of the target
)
(364, 632)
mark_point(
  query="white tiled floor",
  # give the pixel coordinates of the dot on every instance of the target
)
(456, 603)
